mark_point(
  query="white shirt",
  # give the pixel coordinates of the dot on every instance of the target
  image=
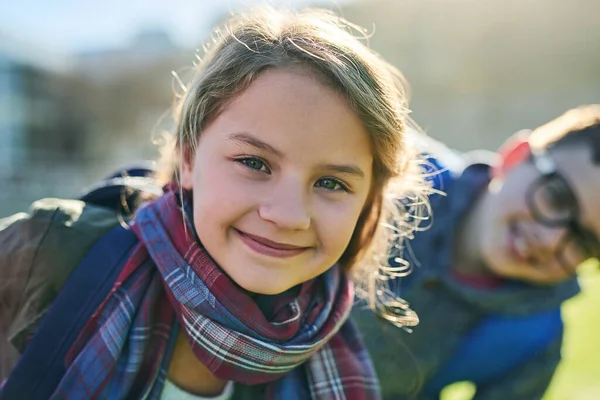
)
(173, 392)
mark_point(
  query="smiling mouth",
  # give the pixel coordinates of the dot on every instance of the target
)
(519, 246)
(268, 247)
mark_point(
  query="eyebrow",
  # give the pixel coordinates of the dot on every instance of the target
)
(247, 139)
(349, 169)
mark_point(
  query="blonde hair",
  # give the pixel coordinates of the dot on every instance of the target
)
(322, 43)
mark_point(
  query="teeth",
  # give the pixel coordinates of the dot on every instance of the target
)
(521, 247)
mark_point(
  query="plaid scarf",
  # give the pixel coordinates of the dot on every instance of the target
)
(125, 349)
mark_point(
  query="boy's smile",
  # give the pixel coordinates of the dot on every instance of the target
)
(520, 233)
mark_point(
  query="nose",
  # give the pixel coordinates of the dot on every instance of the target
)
(286, 206)
(547, 240)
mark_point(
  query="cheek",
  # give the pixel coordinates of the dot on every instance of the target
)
(215, 187)
(218, 199)
(335, 226)
(513, 197)
(509, 204)
(513, 210)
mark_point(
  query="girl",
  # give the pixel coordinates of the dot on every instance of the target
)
(290, 148)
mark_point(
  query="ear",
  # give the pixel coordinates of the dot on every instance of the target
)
(186, 178)
(512, 153)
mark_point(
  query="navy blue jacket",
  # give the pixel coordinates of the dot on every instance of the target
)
(407, 363)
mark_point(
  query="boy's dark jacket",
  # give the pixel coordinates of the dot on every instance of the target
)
(448, 309)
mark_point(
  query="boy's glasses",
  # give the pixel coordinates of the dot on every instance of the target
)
(553, 203)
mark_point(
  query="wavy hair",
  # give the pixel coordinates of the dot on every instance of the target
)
(328, 47)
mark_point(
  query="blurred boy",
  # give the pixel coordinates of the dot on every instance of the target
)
(497, 263)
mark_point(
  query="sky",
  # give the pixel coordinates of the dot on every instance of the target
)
(70, 26)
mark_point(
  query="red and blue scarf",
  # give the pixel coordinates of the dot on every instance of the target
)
(305, 344)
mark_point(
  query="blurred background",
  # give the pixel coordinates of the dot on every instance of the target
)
(86, 86)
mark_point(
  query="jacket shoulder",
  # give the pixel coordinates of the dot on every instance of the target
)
(38, 251)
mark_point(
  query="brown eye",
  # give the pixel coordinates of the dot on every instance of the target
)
(557, 195)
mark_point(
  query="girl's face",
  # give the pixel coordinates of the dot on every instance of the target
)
(518, 233)
(280, 178)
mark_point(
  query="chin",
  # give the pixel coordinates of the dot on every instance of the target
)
(499, 265)
(262, 285)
